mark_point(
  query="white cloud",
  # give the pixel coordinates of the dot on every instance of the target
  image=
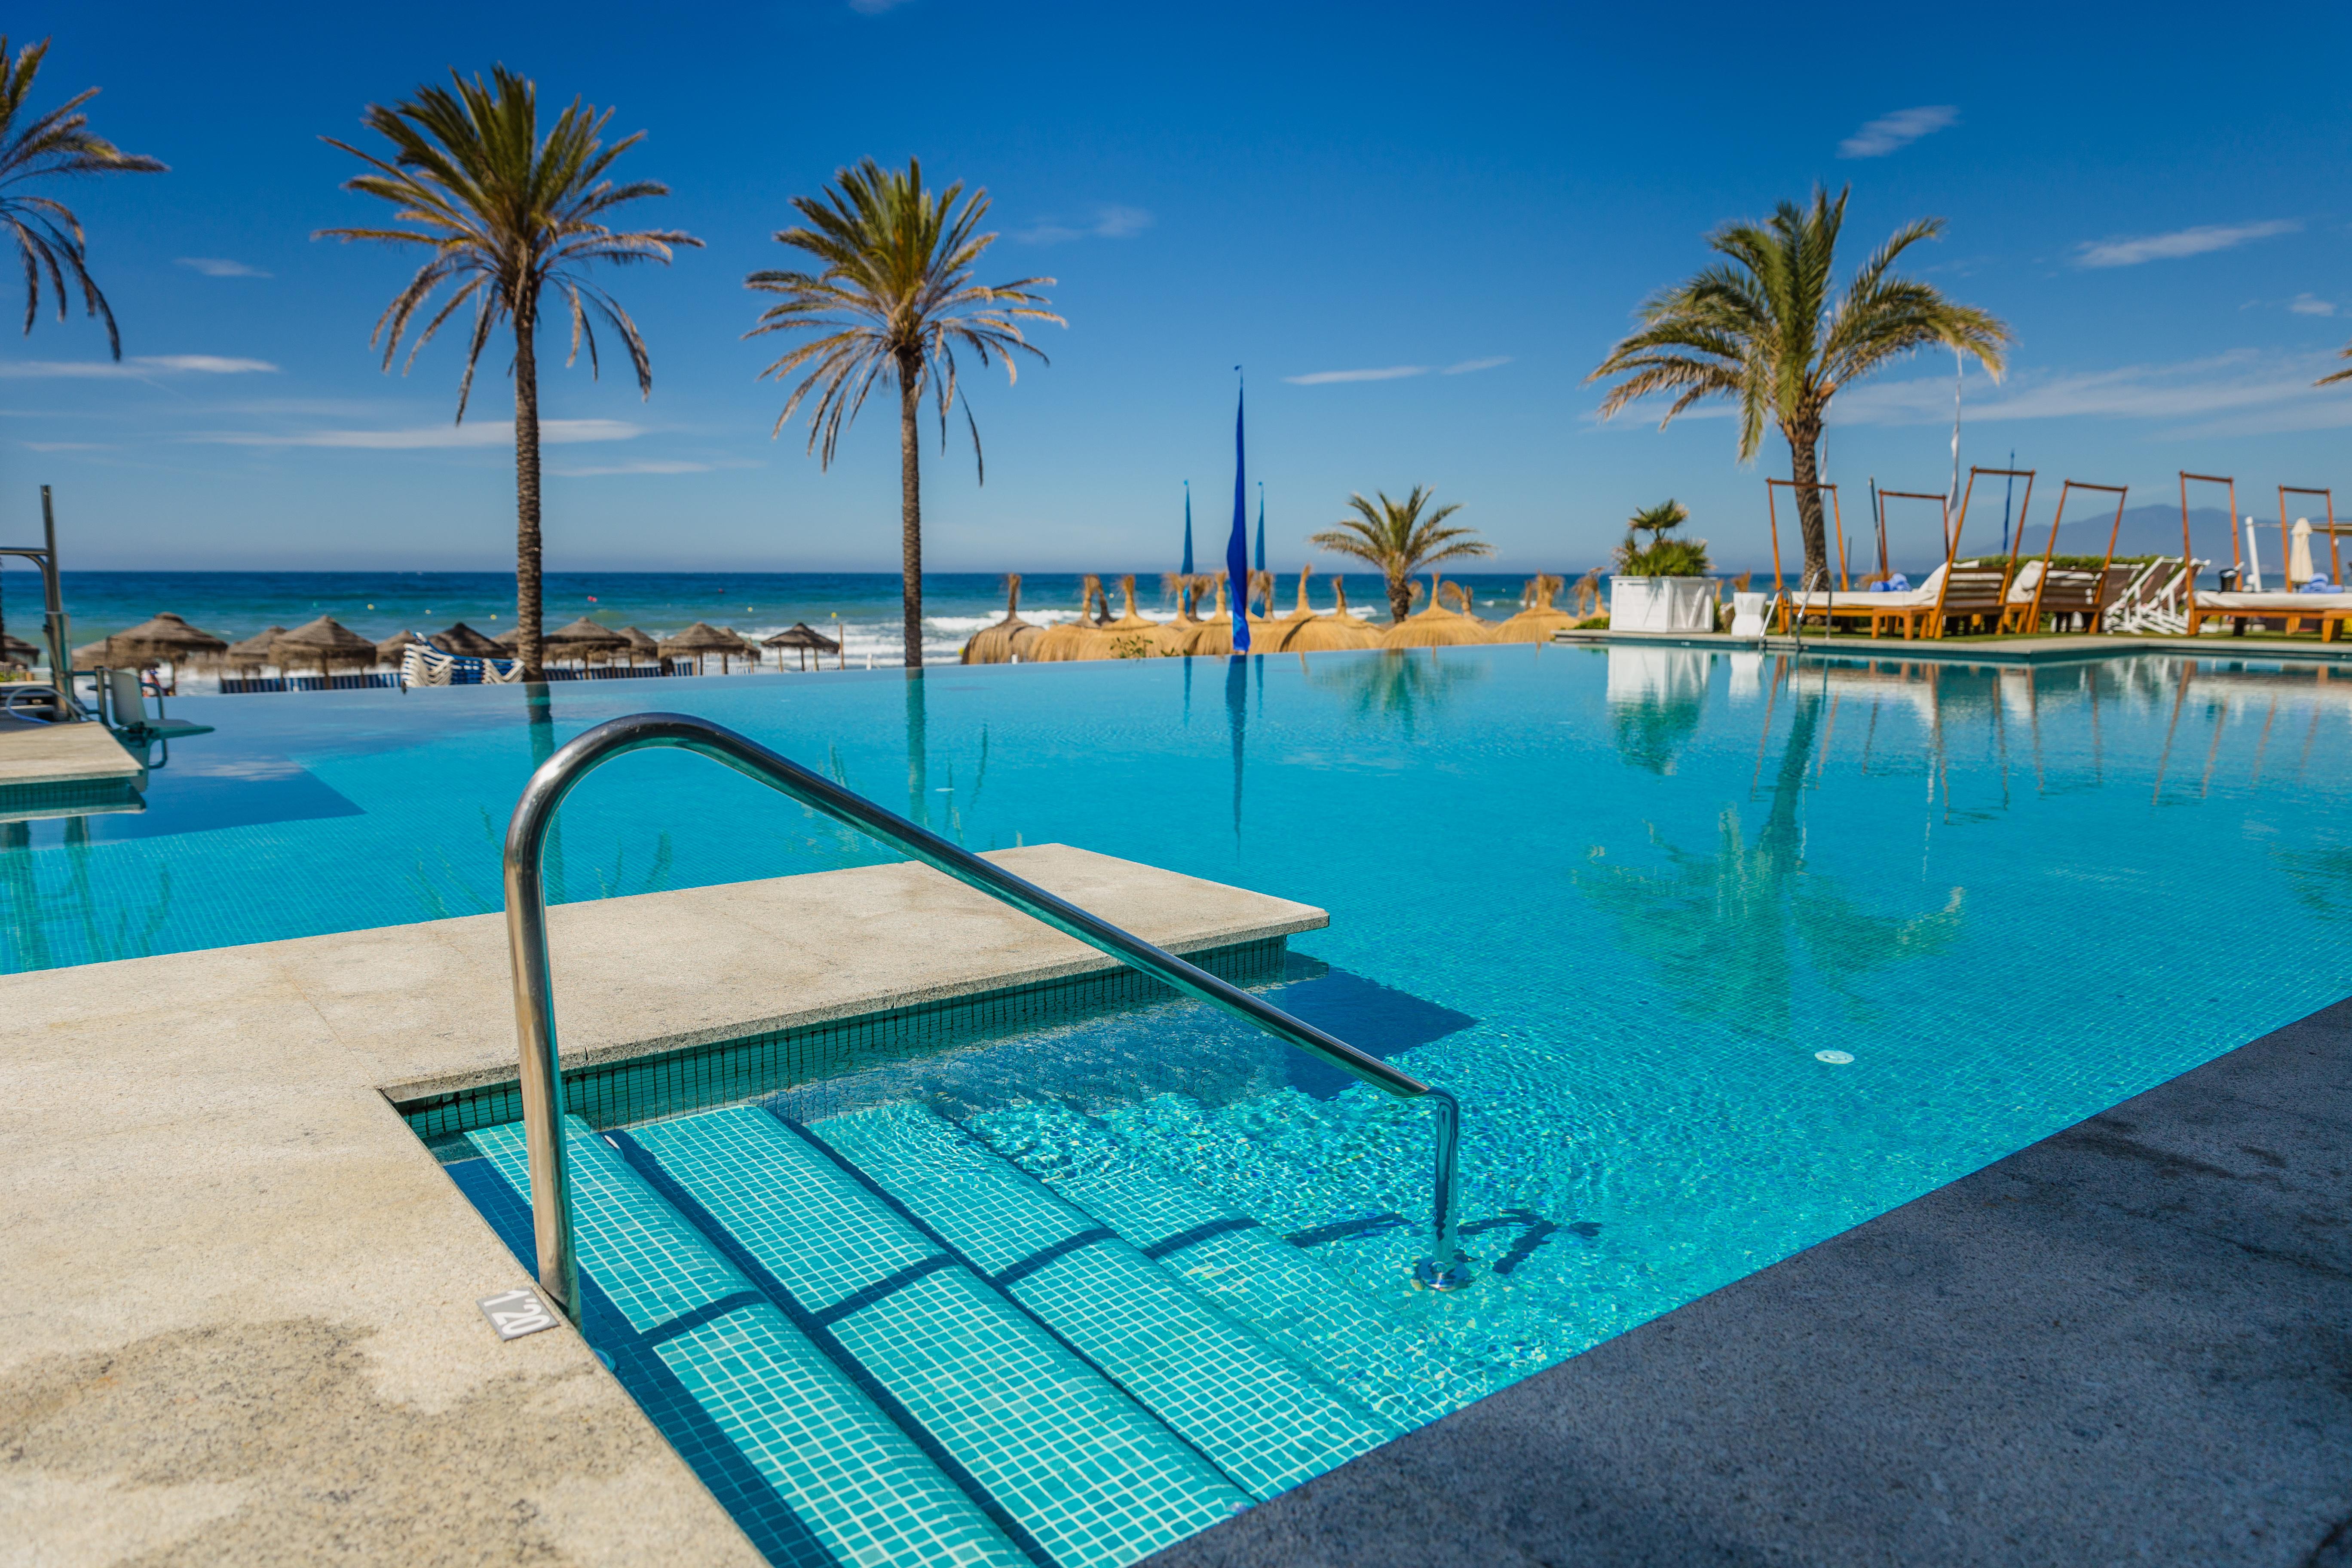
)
(1108, 222)
(1325, 377)
(62, 446)
(221, 267)
(2309, 305)
(1892, 133)
(479, 433)
(1468, 365)
(2181, 242)
(2242, 392)
(140, 369)
(647, 465)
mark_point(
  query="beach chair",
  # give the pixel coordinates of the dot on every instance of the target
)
(1967, 591)
(2043, 588)
(2239, 609)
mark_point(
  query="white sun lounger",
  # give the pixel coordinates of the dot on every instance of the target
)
(2330, 610)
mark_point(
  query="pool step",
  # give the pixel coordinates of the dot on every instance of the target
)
(702, 1348)
(1261, 1417)
(1073, 1470)
(1233, 1259)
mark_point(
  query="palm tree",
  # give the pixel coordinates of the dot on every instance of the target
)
(48, 236)
(894, 301)
(1762, 327)
(506, 215)
(1394, 537)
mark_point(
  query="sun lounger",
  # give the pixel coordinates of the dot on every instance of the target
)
(2329, 610)
(2061, 591)
(1877, 609)
(422, 664)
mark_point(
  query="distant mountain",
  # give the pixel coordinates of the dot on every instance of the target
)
(2153, 530)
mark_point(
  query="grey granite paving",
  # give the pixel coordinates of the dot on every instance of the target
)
(2127, 1344)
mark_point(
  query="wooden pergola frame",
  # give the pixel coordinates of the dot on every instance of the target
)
(1944, 514)
(2033, 613)
(2335, 561)
(1772, 514)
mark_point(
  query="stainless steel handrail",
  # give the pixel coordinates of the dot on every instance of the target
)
(534, 997)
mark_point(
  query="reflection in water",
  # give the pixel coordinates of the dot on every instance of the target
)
(1657, 697)
(1238, 725)
(1732, 931)
(111, 926)
(1399, 684)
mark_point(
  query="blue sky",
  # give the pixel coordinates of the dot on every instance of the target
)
(1418, 227)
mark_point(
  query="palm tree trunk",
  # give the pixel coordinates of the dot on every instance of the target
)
(1400, 597)
(910, 513)
(527, 586)
(1805, 467)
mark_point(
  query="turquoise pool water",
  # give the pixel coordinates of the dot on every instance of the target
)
(1633, 906)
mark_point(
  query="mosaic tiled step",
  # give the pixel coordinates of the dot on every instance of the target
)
(1074, 1470)
(1234, 1260)
(862, 1491)
(1262, 1419)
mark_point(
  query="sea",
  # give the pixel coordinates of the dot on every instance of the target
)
(859, 609)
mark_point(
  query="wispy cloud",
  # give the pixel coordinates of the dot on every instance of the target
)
(1326, 377)
(1107, 222)
(221, 267)
(2241, 393)
(145, 368)
(2311, 305)
(1892, 133)
(2197, 241)
(1468, 365)
(62, 446)
(647, 465)
(488, 433)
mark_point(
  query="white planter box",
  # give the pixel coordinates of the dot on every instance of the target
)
(1662, 604)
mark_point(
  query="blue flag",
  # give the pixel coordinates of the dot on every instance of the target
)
(1237, 546)
(1188, 528)
(1261, 526)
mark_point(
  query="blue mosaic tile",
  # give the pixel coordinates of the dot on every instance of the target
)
(1235, 1260)
(1262, 1419)
(1076, 1470)
(863, 1490)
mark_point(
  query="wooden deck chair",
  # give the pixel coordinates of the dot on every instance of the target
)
(2329, 611)
(2062, 592)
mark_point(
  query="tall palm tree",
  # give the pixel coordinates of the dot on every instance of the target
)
(506, 215)
(1395, 538)
(893, 303)
(46, 147)
(1763, 327)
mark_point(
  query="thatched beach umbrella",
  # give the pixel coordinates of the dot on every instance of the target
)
(321, 644)
(394, 648)
(1539, 620)
(585, 640)
(1336, 632)
(254, 651)
(702, 639)
(15, 649)
(1215, 638)
(168, 639)
(1436, 627)
(103, 655)
(1133, 635)
(464, 642)
(1174, 637)
(641, 647)
(1070, 639)
(1002, 642)
(803, 637)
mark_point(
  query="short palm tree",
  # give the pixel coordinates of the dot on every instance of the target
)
(1763, 327)
(892, 304)
(1395, 538)
(46, 147)
(506, 214)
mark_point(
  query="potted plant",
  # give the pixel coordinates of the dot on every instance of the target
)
(1660, 584)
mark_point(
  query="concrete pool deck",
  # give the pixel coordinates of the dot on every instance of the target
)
(2061, 648)
(2130, 1342)
(36, 754)
(238, 1318)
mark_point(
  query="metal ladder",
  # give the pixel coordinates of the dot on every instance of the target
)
(534, 997)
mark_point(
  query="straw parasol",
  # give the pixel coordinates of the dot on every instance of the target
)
(103, 655)
(254, 651)
(1539, 620)
(1003, 641)
(1215, 638)
(1129, 637)
(321, 644)
(167, 639)
(1436, 627)
(703, 639)
(583, 639)
(15, 649)
(1172, 638)
(802, 636)
(464, 642)
(1070, 639)
(641, 647)
(391, 650)
(1339, 630)
(752, 650)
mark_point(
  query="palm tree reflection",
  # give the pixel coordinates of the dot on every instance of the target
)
(1734, 931)
(1398, 684)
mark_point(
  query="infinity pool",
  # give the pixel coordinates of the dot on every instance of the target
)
(1722, 953)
